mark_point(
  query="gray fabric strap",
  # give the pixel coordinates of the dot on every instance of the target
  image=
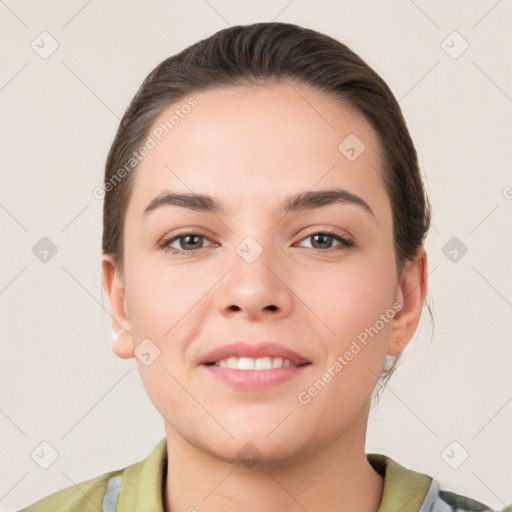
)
(433, 502)
(112, 494)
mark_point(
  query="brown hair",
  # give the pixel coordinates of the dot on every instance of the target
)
(258, 54)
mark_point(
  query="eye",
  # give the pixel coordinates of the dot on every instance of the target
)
(192, 242)
(187, 242)
(323, 240)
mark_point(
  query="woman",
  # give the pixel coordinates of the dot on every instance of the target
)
(264, 222)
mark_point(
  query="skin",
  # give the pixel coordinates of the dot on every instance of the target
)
(251, 148)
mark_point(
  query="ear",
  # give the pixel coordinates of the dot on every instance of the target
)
(113, 283)
(411, 294)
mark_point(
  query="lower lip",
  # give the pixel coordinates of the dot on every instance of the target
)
(255, 379)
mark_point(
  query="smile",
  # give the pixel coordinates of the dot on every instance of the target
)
(249, 363)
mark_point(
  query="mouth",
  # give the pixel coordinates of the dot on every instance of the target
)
(250, 363)
(241, 355)
(249, 366)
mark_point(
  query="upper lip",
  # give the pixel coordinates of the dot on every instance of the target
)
(255, 351)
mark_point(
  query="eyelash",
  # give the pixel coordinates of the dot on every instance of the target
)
(344, 243)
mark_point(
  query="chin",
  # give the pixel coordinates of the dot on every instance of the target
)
(261, 446)
(257, 454)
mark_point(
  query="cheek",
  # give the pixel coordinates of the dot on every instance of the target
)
(356, 311)
(161, 299)
(356, 314)
(162, 305)
(348, 299)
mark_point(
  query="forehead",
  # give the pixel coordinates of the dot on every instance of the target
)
(247, 142)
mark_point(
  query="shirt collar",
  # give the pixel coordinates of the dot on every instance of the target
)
(143, 483)
(142, 486)
(404, 489)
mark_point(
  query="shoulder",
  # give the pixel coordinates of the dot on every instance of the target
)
(86, 496)
(440, 500)
(459, 502)
(134, 487)
(417, 492)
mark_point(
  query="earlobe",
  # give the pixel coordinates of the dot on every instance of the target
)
(396, 346)
(123, 345)
(411, 294)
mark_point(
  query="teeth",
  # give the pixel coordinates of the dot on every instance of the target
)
(248, 363)
(277, 362)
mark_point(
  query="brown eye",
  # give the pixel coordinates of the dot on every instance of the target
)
(187, 243)
(323, 240)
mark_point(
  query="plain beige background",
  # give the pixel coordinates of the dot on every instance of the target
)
(60, 381)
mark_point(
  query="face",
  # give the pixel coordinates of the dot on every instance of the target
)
(264, 278)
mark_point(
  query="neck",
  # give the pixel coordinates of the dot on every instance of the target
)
(335, 477)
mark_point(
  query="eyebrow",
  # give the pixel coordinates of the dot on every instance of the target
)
(308, 200)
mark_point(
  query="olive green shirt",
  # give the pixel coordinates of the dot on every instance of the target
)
(140, 488)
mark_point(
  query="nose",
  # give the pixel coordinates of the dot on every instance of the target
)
(256, 289)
